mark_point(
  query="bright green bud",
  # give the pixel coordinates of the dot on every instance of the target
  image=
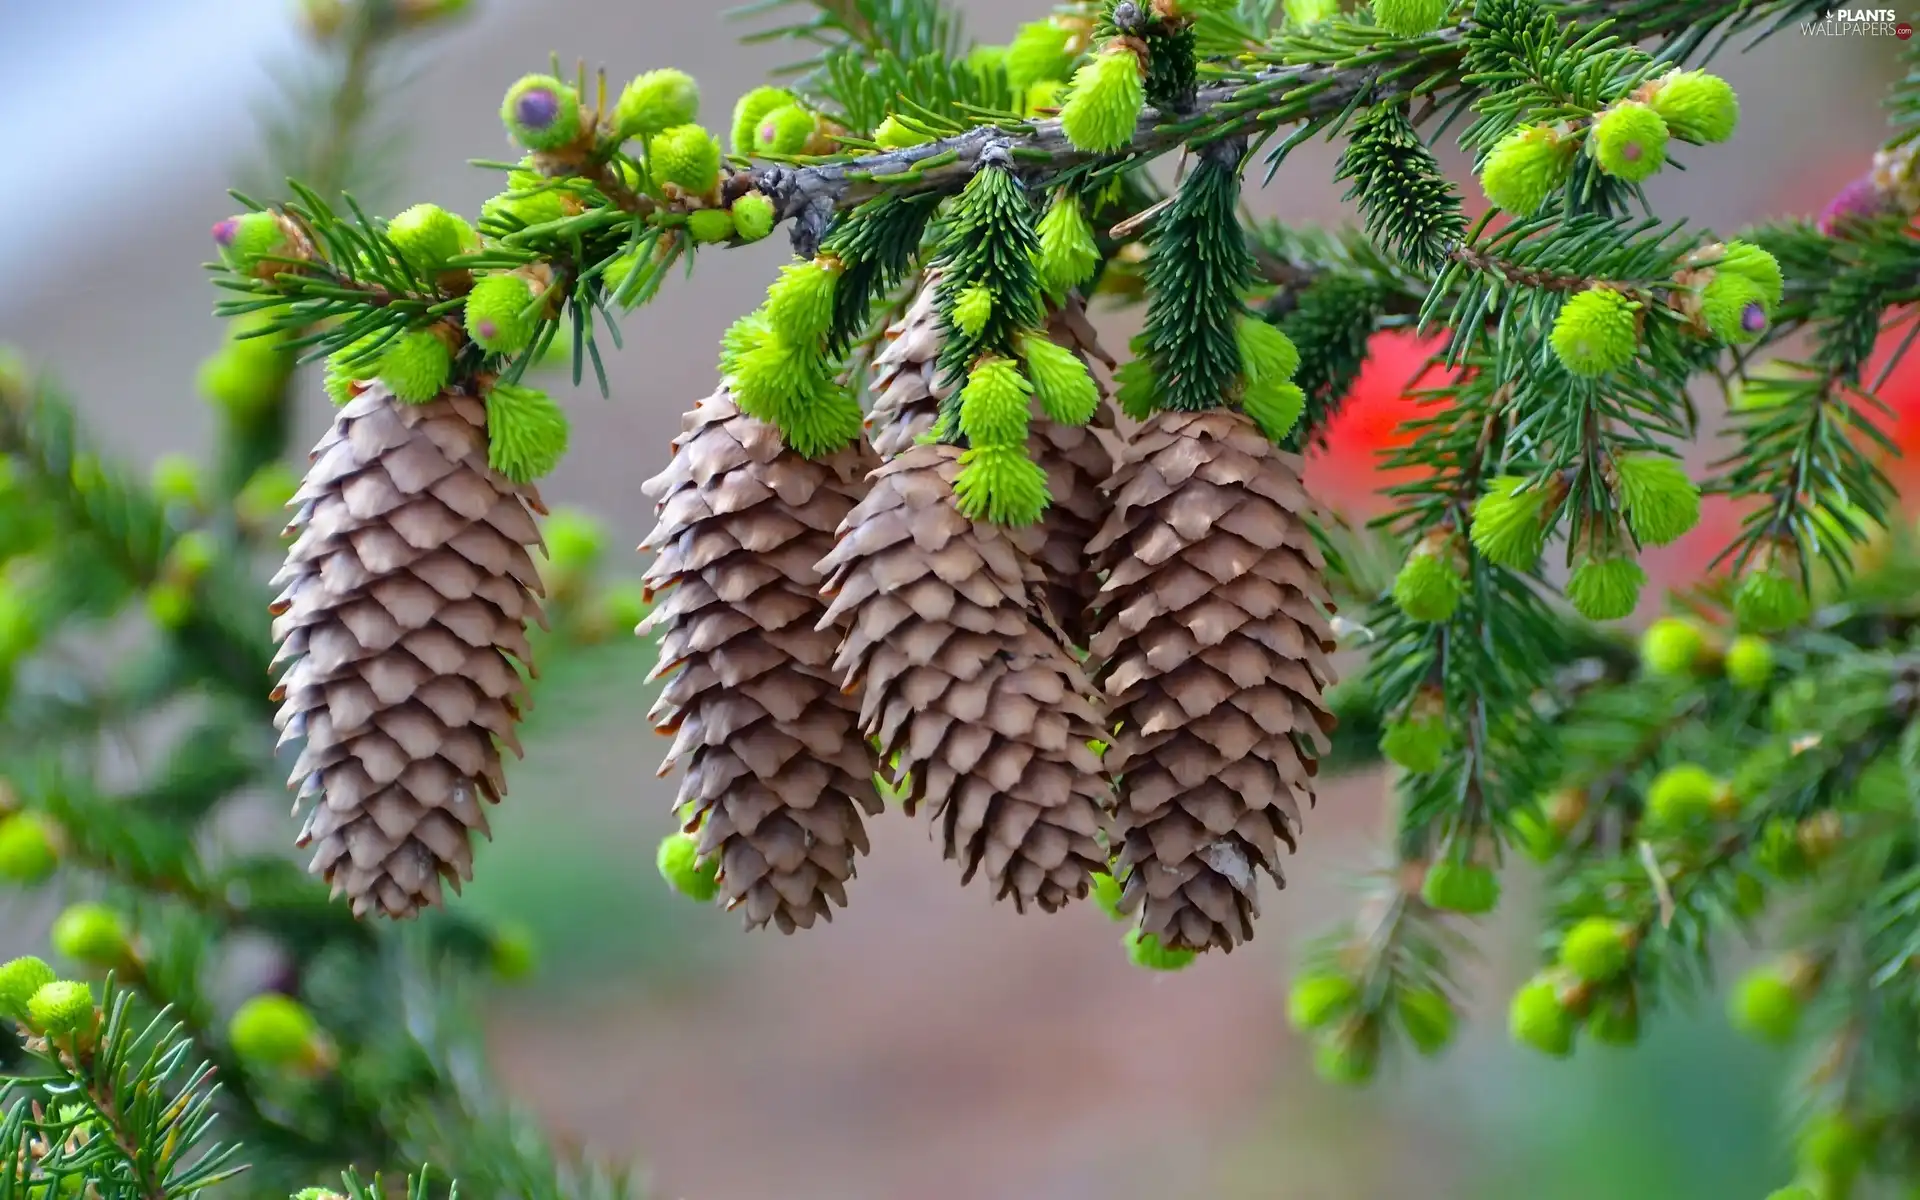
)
(710, 225)
(275, 1031)
(1750, 662)
(800, 302)
(686, 156)
(61, 1007)
(575, 541)
(315, 1193)
(1768, 601)
(1409, 18)
(1267, 354)
(1795, 1191)
(1041, 50)
(1044, 98)
(985, 61)
(1000, 484)
(753, 217)
(266, 494)
(1428, 587)
(245, 376)
(784, 131)
(994, 404)
(1508, 527)
(1428, 1017)
(656, 101)
(1311, 12)
(170, 605)
(526, 432)
(1833, 1149)
(1734, 308)
(19, 980)
(415, 366)
(1683, 794)
(1420, 743)
(1145, 950)
(1461, 887)
(1538, 1019)
(1629, 141)
(1320, 998)
(1527, 166)
(427, 236)
(248, 239)
(1104, 102)
(93, 934)
(1597, 949)
(1766, 1006)
(176, 480)
(1065, 387)
(1597, 331)
(502, 313)
(534, 208)
(1349, 1055)
(541, 113)
(891, 134)
(349, 366)
(1274, 406)
(1606, 589)
(680, 865)
(1662, 504)
(29, 849)
(972, 309)
(1697, 106)
(753, 108)
(513, 954)
(1672, 646)
(1745, 258)
(1615, 1019)
(625, 604)
(1068, 253)
(1106, 894)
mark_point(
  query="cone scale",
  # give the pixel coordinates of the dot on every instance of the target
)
(1213, 655)
(961, 679)
(403, 620)
(777, 777)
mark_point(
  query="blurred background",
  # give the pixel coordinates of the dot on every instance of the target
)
(927, 1045)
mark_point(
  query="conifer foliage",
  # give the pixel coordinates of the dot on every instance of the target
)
(928, 541)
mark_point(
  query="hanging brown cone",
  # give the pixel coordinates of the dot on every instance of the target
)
(906, 384)
(1213, 657)
(990, 717)
(777, 775)
(1078, 460)
(406, 598)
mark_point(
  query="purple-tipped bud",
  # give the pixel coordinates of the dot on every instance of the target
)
(225, 231)
(1753, 318)
(537, 108)
(486, 328)
(1631, 152)
(1858, 200)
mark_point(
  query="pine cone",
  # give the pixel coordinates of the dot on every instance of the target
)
(406, 598)
(906, 387)
(1078, 460)
(989, 715)
(1213, 656)
(777, 775)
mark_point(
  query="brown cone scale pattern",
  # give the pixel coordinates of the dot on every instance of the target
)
(906, 384)
(403, 615)
(777, 774)
(1078, 459)
(989, 716)
(1213, 656)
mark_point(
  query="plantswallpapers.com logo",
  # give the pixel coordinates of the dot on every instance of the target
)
(1860, 22)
